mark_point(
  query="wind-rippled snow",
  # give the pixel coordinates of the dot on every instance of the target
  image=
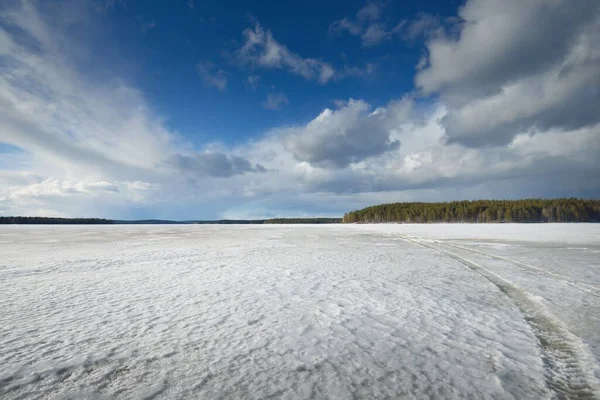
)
(337, 311)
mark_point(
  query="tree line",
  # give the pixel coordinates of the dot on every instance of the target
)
(55, 221)
(101, 221)
(303, 221)
(526, 210)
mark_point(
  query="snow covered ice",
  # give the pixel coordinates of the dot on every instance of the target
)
(294, 312)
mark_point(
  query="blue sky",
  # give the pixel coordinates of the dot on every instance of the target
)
(206, 109)
(166, 53)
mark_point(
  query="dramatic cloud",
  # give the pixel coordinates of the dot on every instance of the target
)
(514, 114)
(213, 164)
(368, 25)
(532, 66)
(211, 75)
(80, 146)
(311, 159)
(260, 49)
(347, 135)
(75, 124)
(275, 101)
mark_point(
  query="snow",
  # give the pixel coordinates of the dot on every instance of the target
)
(335, 311)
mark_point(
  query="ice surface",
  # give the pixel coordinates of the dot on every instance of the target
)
(344, 311)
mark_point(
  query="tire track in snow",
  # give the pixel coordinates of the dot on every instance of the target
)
(567, 363)
(593, 290)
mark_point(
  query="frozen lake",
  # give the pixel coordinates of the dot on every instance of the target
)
(337, 311)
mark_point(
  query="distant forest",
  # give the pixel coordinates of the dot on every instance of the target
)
(100, 221)
(498, 211)
(303, 221)
(55, 221)
(526, 210)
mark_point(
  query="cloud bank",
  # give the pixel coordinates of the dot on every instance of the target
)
(532, 67)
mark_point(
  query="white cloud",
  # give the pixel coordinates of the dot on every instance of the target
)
(96, 141)
(344, 136)
(211, 75)
(55, 197)
(275, 101)
(532, 66)
(213, 164)
(321, 158)
(345, 24)
(369, 25)
(424, 25)
(55, 187)
(50, 110)
(81, 146)
(253, 81)
(260, 49)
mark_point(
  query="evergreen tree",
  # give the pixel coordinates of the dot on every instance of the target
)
(526, 210)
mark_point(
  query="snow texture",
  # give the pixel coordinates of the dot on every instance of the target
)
(294, 312)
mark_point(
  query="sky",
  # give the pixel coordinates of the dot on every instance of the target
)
(206, 109)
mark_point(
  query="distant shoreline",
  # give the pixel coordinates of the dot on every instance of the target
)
(481, 211)
(563, 210)
(102, 221)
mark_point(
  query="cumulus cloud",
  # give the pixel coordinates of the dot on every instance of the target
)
(532, 66)
(211, 75)
(311, 159)
(82, 146)
(260, 49)
(213, 164)
(347, 135)
(368, 25)
(275, 101)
